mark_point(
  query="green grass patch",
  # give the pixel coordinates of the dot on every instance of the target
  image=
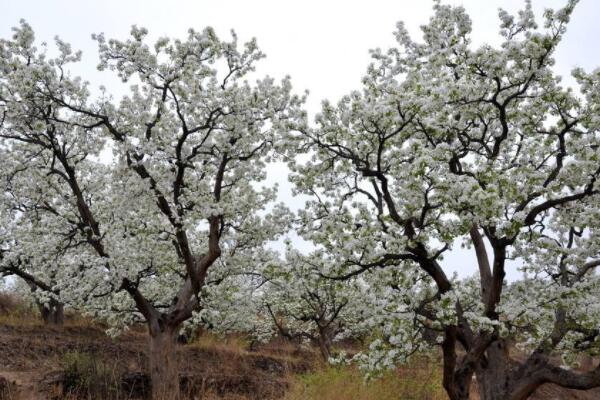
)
(418, 381)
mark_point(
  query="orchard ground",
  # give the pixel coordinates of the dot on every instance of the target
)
(78, 361)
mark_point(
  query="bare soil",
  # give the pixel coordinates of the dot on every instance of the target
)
(32, 361)
(32, 366)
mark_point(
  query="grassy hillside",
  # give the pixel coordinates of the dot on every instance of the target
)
(78, 361)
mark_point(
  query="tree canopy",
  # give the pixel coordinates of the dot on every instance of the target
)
(156, 208)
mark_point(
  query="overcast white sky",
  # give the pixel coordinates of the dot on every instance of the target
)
(322, 44)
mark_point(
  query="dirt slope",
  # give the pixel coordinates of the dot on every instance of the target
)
(33, 359)
(32, 362)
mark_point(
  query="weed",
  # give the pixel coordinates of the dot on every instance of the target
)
(87, 376)
(415, 382)
(238, 344)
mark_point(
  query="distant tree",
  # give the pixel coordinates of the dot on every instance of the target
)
(139, 232)
(17, 261)
(446, 143)
(45, 296)
(304, 305)
(232, 302)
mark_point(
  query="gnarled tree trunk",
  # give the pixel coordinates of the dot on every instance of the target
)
(501, 378)
(52, 313)
(493, 374)
(164, 368)
(324, 347)
(457, 384)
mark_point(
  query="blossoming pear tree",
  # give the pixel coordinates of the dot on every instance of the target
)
(304, 305)
(560, 268)
(395, 329)
(448, 143)
(233, 301)
(190, 142)
(29, 264)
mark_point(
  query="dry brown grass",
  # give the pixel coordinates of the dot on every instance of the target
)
(14, 311)
(219, 367)
(238, 344)
(8, 302)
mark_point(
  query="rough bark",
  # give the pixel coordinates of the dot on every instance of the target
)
(164, 368)
(499, 377)
(456, 383)
(52, 313)
(324, 347)
(492, 374)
